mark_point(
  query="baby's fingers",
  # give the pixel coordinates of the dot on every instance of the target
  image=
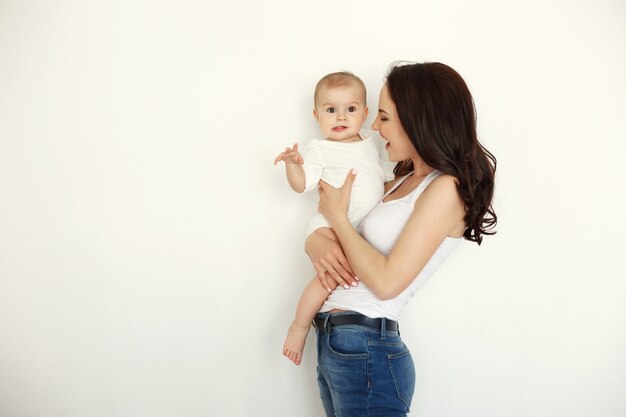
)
(280, 157)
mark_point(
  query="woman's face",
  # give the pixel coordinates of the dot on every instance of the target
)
(388, 124)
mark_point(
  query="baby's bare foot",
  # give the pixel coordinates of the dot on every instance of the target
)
(294, 342)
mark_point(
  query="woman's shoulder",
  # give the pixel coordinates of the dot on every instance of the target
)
(443, 185)
(441, 198)
(445, 180)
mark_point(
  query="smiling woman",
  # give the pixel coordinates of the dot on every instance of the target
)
(443, 130)
(442, 193)
(399, 145)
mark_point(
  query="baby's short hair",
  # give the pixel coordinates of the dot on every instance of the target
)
(339, 79)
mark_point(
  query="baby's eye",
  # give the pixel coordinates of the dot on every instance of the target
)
(351, 109)
(330, 110)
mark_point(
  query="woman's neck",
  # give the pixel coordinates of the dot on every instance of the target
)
(420, 168)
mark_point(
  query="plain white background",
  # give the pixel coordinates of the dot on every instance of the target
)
(151, 256)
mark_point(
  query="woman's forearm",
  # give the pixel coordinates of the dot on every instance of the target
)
(369, 265)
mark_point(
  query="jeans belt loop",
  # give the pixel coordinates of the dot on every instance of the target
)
(383, 328)
(327, 324)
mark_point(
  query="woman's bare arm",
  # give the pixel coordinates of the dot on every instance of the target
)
(328, 258)
(438, 213)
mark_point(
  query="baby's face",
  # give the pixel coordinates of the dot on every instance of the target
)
(340, 112)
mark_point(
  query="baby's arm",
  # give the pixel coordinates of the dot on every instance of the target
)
(293, 167)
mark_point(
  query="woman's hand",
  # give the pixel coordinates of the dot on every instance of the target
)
(334, 202)
(328, 259)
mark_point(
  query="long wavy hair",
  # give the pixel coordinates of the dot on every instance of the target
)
(437, 112)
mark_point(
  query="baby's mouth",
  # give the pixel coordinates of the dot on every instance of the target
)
(339, 128)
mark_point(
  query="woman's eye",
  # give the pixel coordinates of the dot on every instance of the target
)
(383, 119)
(330, 110)
(351, 109)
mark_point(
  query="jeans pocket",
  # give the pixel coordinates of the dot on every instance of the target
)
(403, 374)
(347, 343)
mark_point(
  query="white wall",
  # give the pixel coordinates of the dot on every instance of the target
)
(151, 255)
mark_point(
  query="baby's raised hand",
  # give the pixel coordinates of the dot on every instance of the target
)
(290, 156)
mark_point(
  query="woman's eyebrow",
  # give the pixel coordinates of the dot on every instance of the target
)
(382, 111)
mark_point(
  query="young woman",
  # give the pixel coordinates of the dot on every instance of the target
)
(442, 193)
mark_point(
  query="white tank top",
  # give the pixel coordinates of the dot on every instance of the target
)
(381, 228)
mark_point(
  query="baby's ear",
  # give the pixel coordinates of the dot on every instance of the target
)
(366, 111)
(315, 114)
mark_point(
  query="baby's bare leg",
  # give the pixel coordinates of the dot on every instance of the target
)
(310, 303)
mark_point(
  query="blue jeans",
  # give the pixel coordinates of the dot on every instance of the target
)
(363, 372)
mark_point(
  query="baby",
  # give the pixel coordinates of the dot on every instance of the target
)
(340, 110)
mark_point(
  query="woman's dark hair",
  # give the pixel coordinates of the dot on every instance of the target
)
(437, 113)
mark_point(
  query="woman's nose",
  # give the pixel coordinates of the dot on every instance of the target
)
(375, 125)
